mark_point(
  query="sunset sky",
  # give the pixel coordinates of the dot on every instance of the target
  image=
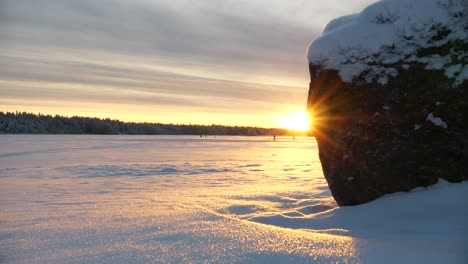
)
(172, 61)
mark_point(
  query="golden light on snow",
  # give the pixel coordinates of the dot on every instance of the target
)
(299, 121)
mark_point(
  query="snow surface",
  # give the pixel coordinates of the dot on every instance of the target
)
(179, 199)
(391, 31)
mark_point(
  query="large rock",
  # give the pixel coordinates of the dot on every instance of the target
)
(392, 114)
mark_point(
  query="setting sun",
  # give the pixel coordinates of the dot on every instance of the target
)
(295, 121)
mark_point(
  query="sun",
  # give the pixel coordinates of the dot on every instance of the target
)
(299, 121)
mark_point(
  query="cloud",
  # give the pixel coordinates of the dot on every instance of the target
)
(236, 51)
(184, 30)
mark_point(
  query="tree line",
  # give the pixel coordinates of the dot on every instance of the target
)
(29, 123)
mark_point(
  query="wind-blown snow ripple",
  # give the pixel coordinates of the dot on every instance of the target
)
(179, 199)
(137, 170)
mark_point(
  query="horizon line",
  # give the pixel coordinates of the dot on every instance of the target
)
(16, 112)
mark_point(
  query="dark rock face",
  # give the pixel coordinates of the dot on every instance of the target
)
(376, 139)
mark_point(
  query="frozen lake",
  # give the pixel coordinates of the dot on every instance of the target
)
(179, 199)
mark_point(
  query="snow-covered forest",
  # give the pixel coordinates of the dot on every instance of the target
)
(28, 123)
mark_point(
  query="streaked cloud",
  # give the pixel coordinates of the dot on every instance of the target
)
(208, 58)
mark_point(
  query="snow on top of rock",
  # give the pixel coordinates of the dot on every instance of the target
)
(392, 31)
(437, 121)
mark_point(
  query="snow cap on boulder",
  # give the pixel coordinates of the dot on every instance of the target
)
(393, 31)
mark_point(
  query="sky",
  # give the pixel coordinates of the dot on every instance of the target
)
(229, 62)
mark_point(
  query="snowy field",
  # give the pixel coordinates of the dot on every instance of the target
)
(185, 199)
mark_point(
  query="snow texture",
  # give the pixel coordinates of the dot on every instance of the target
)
(392, 31)
(183, 199)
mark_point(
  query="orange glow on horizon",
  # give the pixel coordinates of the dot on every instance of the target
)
(131, 113)
(298, 121)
